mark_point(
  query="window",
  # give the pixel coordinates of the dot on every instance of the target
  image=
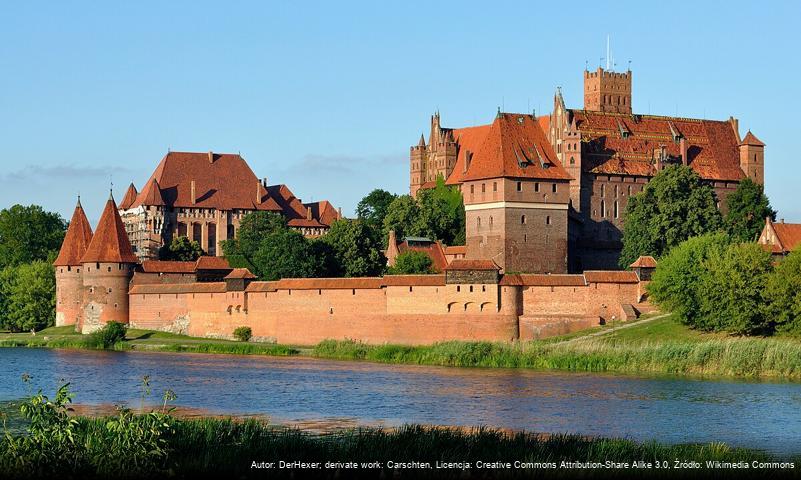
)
(616, 212)
(525, 237)
(471, 289)
(536, 186)
(472, 189)
(494, 186)
(490, 225)
(616, 190)
(603, 189)
(572, 161)
(523, 220)
(483, 187)
(629, 190)
(519, 186)
(553, 188)
(478, 222)
(603, 209)
(548, 220)
(458, 288)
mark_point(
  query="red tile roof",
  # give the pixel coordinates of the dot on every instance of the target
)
(464, 264)
(543, 280)
(751, 139)
(432, 249)
(645, 261)
(150, 196)
(165, 266)
(712, 147)
(110, 242)
(515, 147)
(327, 283)
(469, 139)
(456, 250)
(788, 234)
(129, 198)
(168, 288)
(323, 211)
(414, 280)
(239, 273)
(209, 262)
(610, 276)
(76, 240)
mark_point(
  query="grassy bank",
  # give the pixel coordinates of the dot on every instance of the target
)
(661, 346)
(156, 445)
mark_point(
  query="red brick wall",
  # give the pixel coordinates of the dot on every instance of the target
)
(105, 294)
(69, 295)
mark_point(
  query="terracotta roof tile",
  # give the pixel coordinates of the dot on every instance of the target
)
(469, 139)
(239, 273)
(76, 240)
(166, 266)
(150, 196)
(712, 147)
(323, 211)
(789, 235)
(464, 264)
(610, 276)
(110, 242)
(168, 288)
(209, 262)
(254, 287)
(456, 250)
(414, 280)
(515, 147)
(645, 261)
(129, 198)
(543, 280)
(327, 283)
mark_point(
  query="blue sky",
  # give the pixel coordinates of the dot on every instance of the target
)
(327, 97)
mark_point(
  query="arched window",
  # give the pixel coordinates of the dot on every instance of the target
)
(629, 190)
(522, 219)
(572, 161)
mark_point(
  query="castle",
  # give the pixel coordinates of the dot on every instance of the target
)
(99, 279)
(203, 196)
(547, 194)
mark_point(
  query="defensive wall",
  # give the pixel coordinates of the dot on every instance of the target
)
(402, 309)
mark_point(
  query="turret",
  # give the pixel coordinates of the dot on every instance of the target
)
(607, 91)
(69, 279)
(108, 265)
(417, 158)
(752, 158)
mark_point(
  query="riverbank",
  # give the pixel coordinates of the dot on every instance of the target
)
(658, 346)
(158, 445)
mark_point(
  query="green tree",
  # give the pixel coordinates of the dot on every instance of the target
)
(733, 287)
(373, 208)
(674, 206)
(676, 284)
(29, 233)
(402, 215)
(286, 254)
(412, 262)
(28, 293)
(356, 247)
(747, 208)
(181, 249)
(783, 294)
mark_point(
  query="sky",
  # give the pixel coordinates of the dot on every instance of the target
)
(327, 97)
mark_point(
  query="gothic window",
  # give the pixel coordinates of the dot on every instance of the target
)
(523, 220)
(572, 161)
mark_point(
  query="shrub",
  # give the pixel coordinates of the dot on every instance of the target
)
(783, 295)
(243, 334)
(107, 336)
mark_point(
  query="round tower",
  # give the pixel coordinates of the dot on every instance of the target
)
(69, 276)
(108, 266)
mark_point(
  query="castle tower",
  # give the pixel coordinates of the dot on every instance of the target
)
(417, 158)
(69, 279)
(108, 265)
(752, 158)
(607, 91)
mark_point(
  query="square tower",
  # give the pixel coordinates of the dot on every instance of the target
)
(607, 91)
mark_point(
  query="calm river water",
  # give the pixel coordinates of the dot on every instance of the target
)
(671, 410)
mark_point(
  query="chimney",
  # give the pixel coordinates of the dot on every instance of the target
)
(193, 197)
(393, 241)
(308, 214)
(258, 192)
(264, 182)
(211, 156)
(781, 220)
(683, 148)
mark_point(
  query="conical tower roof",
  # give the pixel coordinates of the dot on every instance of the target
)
(129, 198)
(77, 239)
(110, 242)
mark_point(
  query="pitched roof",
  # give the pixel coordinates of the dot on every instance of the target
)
(167, 266)
(150, 195)
(76, 240)
(464, 264)
(238, 273)
(469, 139)
(129, 198)
(110, 242)
(788, 234)
(751, 139)
(209, 262)
(712, 146)
(456, 250)
(288, 203)
(610, 276)
(323, 212)
(514, 147)
(432, 249)
(204, 287)
(644, 261)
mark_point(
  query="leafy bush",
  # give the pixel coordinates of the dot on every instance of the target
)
(412, 262)
(107, 336)
(243, 334)
(28, 296)
(783, 295)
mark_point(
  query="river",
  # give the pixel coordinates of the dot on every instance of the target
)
(763, 415)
